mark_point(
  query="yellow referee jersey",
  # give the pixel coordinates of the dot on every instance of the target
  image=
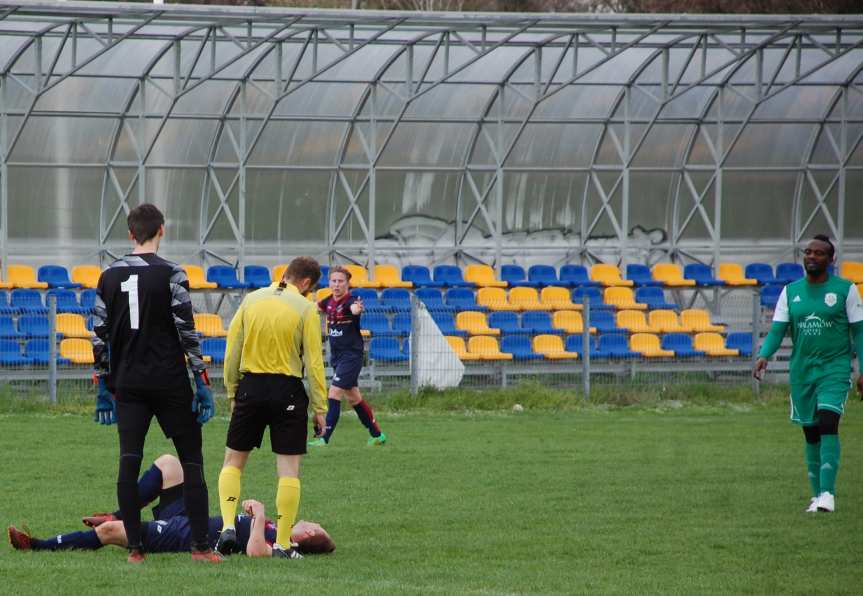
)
(277, 332)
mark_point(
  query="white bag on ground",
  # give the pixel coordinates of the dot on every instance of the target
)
(436, 364)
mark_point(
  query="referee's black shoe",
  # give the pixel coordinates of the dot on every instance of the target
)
(280, 552)
(227, 542)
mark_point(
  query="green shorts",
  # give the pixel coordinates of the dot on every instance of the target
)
(828, 393)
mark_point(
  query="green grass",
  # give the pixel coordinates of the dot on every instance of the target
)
(635, 494)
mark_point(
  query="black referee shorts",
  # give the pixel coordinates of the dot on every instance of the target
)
(172, 408)
(277, 401)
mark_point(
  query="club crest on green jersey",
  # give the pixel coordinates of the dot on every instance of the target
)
(830, 299)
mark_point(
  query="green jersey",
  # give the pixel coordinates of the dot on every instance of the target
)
(819, 316)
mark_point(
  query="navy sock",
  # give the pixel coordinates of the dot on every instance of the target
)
(334, 410)
(149, 487)
(367, 417)
(80, 540)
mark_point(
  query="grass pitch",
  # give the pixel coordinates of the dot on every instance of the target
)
(665, 497)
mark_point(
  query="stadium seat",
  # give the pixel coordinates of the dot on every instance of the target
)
(197, 281)
(450, 276)
(664, 321)
(526, 299)
(852, 270)
(77, 351)
(640, 275)
(387, 349)
(7, 328)
(654, 298)
(732, 275)
(67, 302)
(360, 277)
(458, 346)
(698, 320)
(474, 323)
(483, 276)
(575, 343)
(608, 275)
(494, 299)
(520, 347)
(770, 295)
(214, 347)
(6, 285)
(88, 300)
(633, 321)
(419, 276)
(622, 298)
(56, 276)
(681, 344)
(670, 274)
(515, 276)
(505, 322)
(225, 277)
(574, 276)
(322, 294)
(569, 322)
(402, 323)
(558, 298)
(713, 345)
(279, 271)
(376, 323)
(27, 301)
(463, 299)
(256, 276)
(23, 276)
(614, 345)
(72, 325)
(647, 344)
(388, 277)
(760, 272)
(5, 308)
(371, 302)
(542, 275)
(551, 348)
(433, 299)
(701, 274)
(740, 341)
(209, 325)
(396, 300)
(788, 272)
(860, 289)
(486, 348)
(445, 322)
(38, 350)
(86, 275)
(593, 294)
(603, 321)
(325, 275)
(539, 323)
(10, 354)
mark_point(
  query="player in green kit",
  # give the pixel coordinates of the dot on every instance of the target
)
(821, 310)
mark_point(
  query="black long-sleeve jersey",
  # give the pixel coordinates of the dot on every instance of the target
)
(144, 325)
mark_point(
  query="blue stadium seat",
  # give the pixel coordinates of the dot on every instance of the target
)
(88, 299)
(28, 301)
(7, 328)
(451, 276)
(371, 303)
(10, 354)
(593, 293)
(515, 276)
(38, 352)
(542, 275)
(446, 323)
(573, 276)
(402, 324)
(701, 274)
(615, 345)
(67, 302)
(654, 298)
(33, 325)
(225, 277)
(641, 275)
(463, 299)
(519, 346)
(214, 347)
(604, 321)
(770, 295)
(762, 272)
(387, 349)
(433, 299)
(419, 276)
(538, 322)
(788, 272)
(396, 300)
(5, 309)
(681, 344)
(325, 276)
(257, 276)
(56, 277)
(741, 341)
(506, 321)
(575, 343)
(376, 323)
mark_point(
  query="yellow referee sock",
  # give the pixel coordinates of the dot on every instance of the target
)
(287, 505)
(229, 494)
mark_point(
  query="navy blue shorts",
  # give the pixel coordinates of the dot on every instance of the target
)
(167, 536)
(346, 370)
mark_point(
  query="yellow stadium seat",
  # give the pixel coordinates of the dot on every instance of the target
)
(72, 325)
(670, 274)
(360, 277)
(732, 275)
(852, 270)
(551, 347)
(622, 298)
(475, 323)
(494, 299)
(483, 276)
(209, 325)
(665, 321)
(86, 275)
(608, 275)
(79, 351)
(860, 289)
(697, 320)
(486, 348)
(526, 299)
(457, 345)
(197, 281)
(648, 346)
(389, 277)
(633, 321)
(570, 321)
(558, 299)
(279, 271)
(322, 293)
(713, 345)
(23, 276)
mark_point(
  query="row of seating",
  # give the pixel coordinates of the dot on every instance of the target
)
(29, 301)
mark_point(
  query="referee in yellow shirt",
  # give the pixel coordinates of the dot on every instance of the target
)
(275, 333)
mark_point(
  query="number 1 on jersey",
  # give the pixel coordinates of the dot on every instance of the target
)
(131, 286)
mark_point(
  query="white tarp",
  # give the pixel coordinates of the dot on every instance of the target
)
(436, 365)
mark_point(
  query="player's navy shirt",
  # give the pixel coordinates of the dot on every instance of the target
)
(343, 325)
(243, 527)
(144, 325)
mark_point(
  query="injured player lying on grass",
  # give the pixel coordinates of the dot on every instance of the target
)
(170, 532)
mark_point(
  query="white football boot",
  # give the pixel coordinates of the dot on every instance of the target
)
(826, 502)
(813, 505)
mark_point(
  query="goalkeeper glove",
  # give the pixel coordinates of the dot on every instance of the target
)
(106, 406)
(203, 402)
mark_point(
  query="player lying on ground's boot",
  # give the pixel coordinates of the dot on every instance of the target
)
(170, 530)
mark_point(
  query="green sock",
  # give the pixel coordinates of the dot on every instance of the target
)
(829, 462)
(813, 467)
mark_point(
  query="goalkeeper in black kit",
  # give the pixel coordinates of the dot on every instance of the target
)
(145, 332)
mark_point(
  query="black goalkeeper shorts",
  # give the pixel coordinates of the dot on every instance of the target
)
(275, 401)
(173, 410)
